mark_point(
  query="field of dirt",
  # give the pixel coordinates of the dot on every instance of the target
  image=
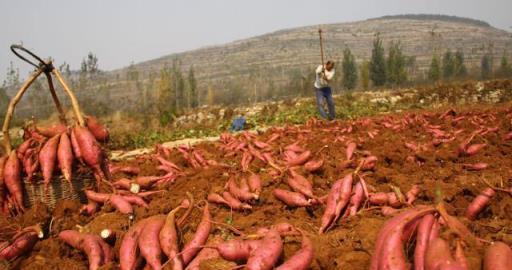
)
(350, 243)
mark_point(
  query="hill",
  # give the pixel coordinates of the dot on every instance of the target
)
(261, 67)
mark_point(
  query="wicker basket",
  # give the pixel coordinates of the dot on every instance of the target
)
(58, 189)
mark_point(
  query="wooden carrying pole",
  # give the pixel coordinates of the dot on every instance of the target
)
(74, 101)
(62, 115)
(321, 45)
(12, 105)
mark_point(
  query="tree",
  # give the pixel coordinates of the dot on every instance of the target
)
(4, 101)
(166, 104)
(210, 96)
(349, 70)
(505, 68)
(485, 67)
(396, 65)
(192, 87)
(378, 63)
(179, 85)
(65, 69)
(460, 69)
(434, 73)
(92, 63)
(12, 78)
(365, 74)
(448, 65)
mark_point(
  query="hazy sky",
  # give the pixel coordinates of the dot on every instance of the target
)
(122, 31)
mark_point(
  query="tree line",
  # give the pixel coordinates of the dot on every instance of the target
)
(173, 90)
(394, 68)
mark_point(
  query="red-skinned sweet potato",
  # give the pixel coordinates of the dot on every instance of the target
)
(479, 203)
(392, 254)
(169, 240)
(128, 251)
(202, 232)
(149, 243)
(292, 199)
(498, 256)
(90, 150)
(65, 156)
(265, 256)
(12, 179)
(422, 240)
(99, 131)
(22, 244)
(48, 157)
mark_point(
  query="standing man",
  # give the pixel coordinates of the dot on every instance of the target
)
(324, 75)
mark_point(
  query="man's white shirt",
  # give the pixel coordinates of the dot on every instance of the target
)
(320, 82)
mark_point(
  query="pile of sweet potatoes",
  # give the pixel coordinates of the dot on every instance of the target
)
(46, 149)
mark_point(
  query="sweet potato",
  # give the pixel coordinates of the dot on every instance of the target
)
(202, 232)
(265, 256)
(2, 185)
(244, 186)
(234, 202)
(301, 185)
(237, 249)
(22, 149)
(238, 192)
(438, 253)
(392, 254)
(422, 240)
(216, 198)
(12, 179)
(97, 197)
(302, 258)
(356, 199)
(479, 203)
(30, 163)
(47, 158)
(460, 258)
(344, 198)
(76, 147)
(474, 149)
(51, 131)
(412, 194)
(369, 163)
(351, 147)
(314, 165)
(99, 131)
(378, 198)
(292, 199)
(21, 245)
(396, 223)
(89, 208)
(135, 199)
(168, 238)
(498, 256)
(475, 167)
(65, 156)
(255, 184)
(203, 255)
(149, 243)
(87, 243)
(90, 150)
(132, 170)
(127, 184)
(121, 204)
(128, 251)
(301, 159)
(331, 202)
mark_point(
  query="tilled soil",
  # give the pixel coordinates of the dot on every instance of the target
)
(350, 243)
